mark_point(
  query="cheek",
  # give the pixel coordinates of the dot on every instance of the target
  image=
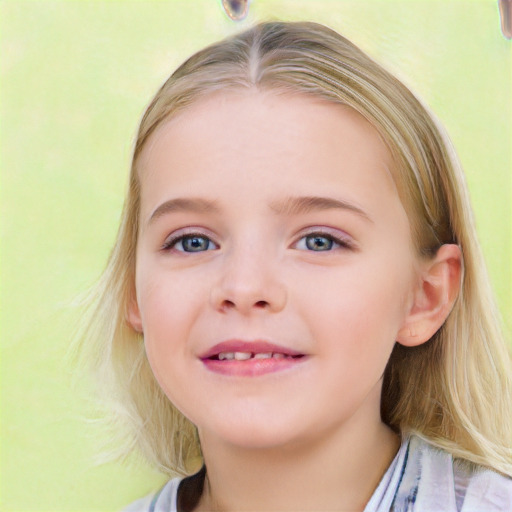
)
(169, 304)
(164, 295)
(165, 320)
(363, 305)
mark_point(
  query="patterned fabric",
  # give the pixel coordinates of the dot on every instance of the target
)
(431, 480)
(421, 478)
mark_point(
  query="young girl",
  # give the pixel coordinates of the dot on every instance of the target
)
(296, 310)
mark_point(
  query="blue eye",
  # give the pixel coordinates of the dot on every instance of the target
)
(319, 242)
(190, 243)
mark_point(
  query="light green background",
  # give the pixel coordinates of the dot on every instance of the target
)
(75, 77)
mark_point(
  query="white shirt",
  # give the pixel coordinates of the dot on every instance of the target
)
(421, 478)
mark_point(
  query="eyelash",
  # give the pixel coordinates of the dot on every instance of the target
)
(336, 242)
(171, 242)
(340, 242)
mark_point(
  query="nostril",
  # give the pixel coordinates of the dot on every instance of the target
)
(228, 304)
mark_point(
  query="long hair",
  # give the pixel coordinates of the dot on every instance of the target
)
(455, 389)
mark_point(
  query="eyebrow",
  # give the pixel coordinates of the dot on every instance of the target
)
(300, 205)
(290, 206)
(194, 205)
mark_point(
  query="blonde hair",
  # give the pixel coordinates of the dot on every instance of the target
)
(453, 390)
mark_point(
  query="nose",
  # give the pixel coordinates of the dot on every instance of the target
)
(248, 283)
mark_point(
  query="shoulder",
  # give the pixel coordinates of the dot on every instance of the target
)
(432, 480)
(161, 501)
(481, 489)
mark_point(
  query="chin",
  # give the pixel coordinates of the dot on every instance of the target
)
(255, 435)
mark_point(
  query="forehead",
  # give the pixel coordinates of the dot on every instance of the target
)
(255, 135)
(289, 118)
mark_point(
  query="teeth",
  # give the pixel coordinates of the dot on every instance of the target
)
(242, 356)
(226, 355)
(263, 355)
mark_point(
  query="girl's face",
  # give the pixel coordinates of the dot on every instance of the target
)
(275, 267)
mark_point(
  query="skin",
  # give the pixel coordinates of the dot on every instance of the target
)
(308, 437)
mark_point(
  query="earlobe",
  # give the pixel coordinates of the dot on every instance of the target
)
(133, 316)
(434, 299)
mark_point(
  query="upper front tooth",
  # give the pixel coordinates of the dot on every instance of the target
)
(263, 355)
(226, 355)
(242, 356)
(278, 355)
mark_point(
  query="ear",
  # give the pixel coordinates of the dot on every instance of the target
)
(437, 291)
(133, 316)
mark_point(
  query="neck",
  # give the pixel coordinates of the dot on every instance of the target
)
(337, 473)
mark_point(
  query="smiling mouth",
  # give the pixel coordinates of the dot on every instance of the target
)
(250, 359)
(244, 356)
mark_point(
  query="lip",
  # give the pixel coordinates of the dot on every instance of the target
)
(255, 347)
(252, 367)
